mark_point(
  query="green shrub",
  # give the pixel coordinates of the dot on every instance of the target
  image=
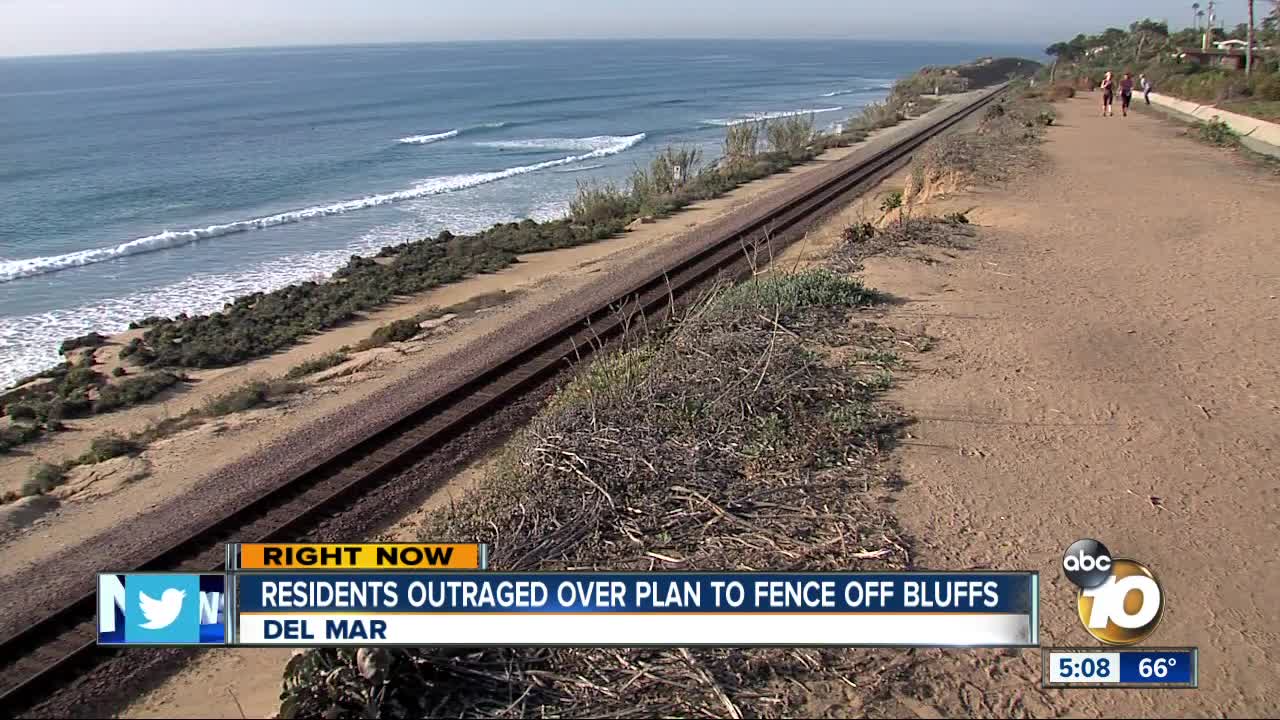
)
(110, 445)
(790, 136)
(316, 364)
(20, 412)
(255, 393)
(395, 331)
(1267, 87)
(876, 116)
(91, 340)
(741, 144)
(43, 477)
(133, 391)
(858, 232)
(891, 201)
(119, 372)
(15, 435)
(1046, 118)
(1217, 132)
(594, 204)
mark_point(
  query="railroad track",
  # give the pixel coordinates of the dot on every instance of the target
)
(47, 654)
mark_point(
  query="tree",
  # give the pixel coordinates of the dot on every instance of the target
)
(1196, 15)
(1061, 52)
(1113, 37)
(1148, 31)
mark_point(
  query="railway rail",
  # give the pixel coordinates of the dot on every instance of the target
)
(51, 652)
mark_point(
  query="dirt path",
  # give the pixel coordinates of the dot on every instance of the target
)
(1106, 367)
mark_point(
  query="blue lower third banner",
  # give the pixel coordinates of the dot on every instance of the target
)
(639, 609)
(161, 609)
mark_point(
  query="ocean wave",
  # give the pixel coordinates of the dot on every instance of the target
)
(29, 343)
(757, 117)
(437, 137)
(835, 93)
(586, 144)
(428, 139)
(15, 269)
(582, 168)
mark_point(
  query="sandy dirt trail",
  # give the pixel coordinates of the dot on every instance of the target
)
(1107, 367)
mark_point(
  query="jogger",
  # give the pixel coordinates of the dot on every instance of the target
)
(1108, 94)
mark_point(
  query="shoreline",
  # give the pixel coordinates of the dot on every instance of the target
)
(95, 499)
(104, 356)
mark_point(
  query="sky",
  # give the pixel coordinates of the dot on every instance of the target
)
(57, 27)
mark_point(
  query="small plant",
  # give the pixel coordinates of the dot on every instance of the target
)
(790, 135)
(316, 364)
(957, 218)
(598, 203)
(19, 412)
(395, 331)
(741, 144)
(110, 445)
(1217, 132)
(858, 232)
(1046, 118)
(119, 372)
(255, 393)
(43, 477)
(891, 201)
(15, 435)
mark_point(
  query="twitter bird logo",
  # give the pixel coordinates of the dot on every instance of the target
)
(160, 613)
(163, 609)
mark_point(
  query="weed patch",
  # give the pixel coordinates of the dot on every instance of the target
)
(730, 442)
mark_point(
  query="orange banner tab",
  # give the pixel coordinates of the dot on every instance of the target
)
(362, 556)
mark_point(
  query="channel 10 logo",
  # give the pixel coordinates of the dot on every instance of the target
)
(1120, 602)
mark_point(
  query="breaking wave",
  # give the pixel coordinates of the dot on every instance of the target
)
(437, 137)
(15, 269)
(427, 139)
(583, 144)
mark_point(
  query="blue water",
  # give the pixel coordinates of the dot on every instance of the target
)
(159, 183)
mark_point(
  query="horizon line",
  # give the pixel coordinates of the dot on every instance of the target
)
(483, 41)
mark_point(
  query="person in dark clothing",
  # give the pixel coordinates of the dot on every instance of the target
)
(1126, 93)
(1108, 94)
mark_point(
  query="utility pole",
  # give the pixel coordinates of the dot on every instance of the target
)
(1208, 28)
(1248, 49)
(1195, 15)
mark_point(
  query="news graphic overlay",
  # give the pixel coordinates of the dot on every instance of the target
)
(1121, 667)
(162, 609)
(1120, 602)
(327, 608)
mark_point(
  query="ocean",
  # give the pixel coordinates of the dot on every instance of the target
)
(158, 183)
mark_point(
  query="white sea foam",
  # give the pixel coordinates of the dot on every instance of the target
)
(29, 343)
(15, 269)
(588, 144)
(578, 169)
(437, 137)
(834, 93)
(757, 117)
(427, 139)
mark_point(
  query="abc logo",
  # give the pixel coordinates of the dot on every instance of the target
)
(1120, 601)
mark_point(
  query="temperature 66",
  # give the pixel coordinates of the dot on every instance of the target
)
(1158, 667)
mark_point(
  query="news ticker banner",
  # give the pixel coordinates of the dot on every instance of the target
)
(325, 595)
(1121, 667)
